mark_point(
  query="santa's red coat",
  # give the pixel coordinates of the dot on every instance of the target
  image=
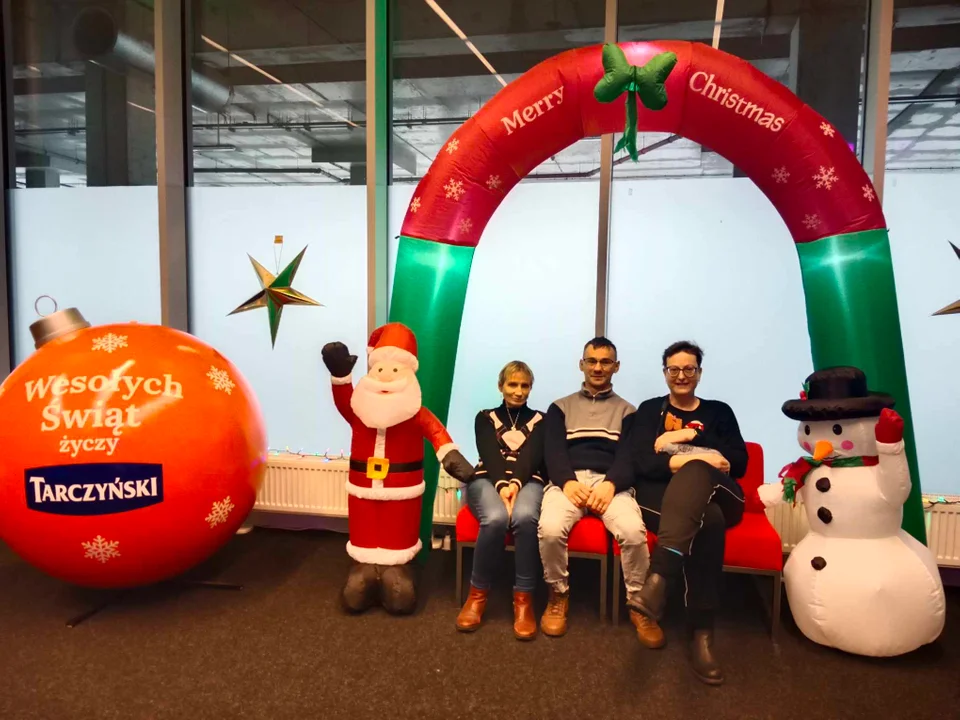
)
(384, 515)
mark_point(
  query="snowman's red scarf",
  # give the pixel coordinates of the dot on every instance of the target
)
(793, 475)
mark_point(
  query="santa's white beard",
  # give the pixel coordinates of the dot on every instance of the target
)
(382, 410)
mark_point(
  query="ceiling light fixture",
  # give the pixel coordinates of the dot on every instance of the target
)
(460, 34)
(278, 81)
(141, 107)
(214, 148)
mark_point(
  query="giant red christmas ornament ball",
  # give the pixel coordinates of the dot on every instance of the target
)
(130, 452)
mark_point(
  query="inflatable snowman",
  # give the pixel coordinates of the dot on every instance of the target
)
(857, 581)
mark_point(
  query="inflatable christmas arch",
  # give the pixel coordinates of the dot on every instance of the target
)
(794, 156)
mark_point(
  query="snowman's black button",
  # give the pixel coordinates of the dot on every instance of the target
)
(823, 484)
(824, 515)
(818, 563)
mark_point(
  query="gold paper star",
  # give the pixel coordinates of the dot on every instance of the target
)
(954, 308)
(276, 292)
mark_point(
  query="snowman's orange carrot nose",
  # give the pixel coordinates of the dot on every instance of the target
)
(822, 449)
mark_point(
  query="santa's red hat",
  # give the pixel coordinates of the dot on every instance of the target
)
(393, 342)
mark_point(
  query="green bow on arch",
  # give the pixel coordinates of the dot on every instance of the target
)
(646, 81)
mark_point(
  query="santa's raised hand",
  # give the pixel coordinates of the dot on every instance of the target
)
(338, 359)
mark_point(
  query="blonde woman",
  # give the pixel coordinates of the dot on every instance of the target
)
(505, 494)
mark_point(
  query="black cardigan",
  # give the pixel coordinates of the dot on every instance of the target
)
(529, 464)
(649, 469)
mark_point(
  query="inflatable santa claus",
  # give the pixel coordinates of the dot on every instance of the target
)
(386, 483)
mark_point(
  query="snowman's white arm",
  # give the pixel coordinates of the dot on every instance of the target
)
(893, 473)
(771, 494)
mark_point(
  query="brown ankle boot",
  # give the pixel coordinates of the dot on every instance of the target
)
(554, 620)
(524, 623)
(649, 632)
(472, 611)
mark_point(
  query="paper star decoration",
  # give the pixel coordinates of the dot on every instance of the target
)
(276, 292)
(954, 308)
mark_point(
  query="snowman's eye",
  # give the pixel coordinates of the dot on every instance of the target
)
(837, 430)
(806, 429)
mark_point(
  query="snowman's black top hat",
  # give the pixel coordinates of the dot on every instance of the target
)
(837, 393)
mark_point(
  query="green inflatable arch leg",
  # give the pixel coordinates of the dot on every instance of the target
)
(853, 320)
(429, 289)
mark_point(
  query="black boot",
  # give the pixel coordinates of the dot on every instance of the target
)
(398, 592)
(360, 592)
(653, 597)
(702, 659)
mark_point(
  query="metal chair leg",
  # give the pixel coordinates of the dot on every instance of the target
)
(603, 588)
(459, 574)
(616, 590)
(775, 618)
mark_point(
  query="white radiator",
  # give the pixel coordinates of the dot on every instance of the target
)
(307, 485)
(942, 521)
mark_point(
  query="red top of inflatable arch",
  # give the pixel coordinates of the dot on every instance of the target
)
(799, 161)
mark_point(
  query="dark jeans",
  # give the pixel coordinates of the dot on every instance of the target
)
(698, 506)
(488, 508)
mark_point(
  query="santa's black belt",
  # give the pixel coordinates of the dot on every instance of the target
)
(380, 466)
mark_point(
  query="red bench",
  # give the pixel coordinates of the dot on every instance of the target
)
(752, 546)
(588, 539)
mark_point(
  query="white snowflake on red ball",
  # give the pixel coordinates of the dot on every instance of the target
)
(868, 193)
(415, 205)
(827, 129)
(466, 225)
(781, 175)
(100, 549)
(825, 178)
(110, 342)
(220, 512)
(221, 380)
(811, 222)
(454, 189)
(494, 182)
(452, 146)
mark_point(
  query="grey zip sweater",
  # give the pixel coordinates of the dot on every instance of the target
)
(581, 433)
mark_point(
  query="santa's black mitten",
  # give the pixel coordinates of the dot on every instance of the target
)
(457, 466)
(338, 359)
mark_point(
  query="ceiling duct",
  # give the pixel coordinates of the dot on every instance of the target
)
(96, 37)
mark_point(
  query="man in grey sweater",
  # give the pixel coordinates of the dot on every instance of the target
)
(581, 435)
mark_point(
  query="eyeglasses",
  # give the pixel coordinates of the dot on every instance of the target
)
(606, 363)
(688, 372)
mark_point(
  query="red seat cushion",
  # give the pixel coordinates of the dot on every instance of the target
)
(587, 536)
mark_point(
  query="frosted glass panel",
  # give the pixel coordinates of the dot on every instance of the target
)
(709, 260)
(532, 297)
(290, 380)
(96, 249)
(923, 215)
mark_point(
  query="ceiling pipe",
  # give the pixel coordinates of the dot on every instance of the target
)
(97, 38)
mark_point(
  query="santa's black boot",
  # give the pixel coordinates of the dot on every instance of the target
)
(361, 591)
(398, 591)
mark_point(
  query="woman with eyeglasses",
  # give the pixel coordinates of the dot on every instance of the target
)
(505, 493)
(686, 454)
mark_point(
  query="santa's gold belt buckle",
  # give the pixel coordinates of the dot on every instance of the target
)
(377, 468)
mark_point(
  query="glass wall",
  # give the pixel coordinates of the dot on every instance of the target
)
(920, 202)
(532, 291)
(703, 255)
(83, 205)
(278, 107)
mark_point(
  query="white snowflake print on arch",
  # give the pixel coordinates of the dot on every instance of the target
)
(110, 342)
(466, 225)
(219, 512)
(100, 549)
(221, 380)
(826, 178)
(781, 175)
(452, 146)
(811, 222)
(415, 205)
(827, 129)
(868, 193)
(494, 182)
(454, 189)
